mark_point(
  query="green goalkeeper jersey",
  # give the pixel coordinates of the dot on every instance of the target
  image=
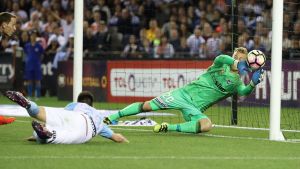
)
(217, 83)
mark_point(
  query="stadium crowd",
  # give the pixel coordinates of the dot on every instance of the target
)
(139, 29)
(157, 29)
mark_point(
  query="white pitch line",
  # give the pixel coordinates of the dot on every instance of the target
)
(152, 157)
(23, 121)
(214, 135)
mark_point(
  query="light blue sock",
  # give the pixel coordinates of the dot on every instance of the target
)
(33, 110)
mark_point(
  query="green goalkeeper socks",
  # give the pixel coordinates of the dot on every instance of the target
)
(132, 109)
(188, 127)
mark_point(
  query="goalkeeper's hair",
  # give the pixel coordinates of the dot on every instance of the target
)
(86, 97)
(242, 50)
(5, 17)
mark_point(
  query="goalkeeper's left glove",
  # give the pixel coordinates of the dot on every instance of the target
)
(243, 67)
(257, 77)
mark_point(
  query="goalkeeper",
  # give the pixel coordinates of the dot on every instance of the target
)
(221, 80)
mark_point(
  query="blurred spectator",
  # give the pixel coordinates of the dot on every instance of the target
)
(65, 53)
(103, 9)
(128, 24)
(89, 41)
(258, 45)
(132, 50)
(164, 50)
(151, 33)
(174, 39)
(167, 26)
(207, 31)
(147, 50)
(33, 73)
(57, 34)
(102, 37)
(286, 45)
(66, 23)
(196, 44)
(214, 45)
(294, 51)
(18, 56)
(19, 12)
(96, 21)
(183, 49)
(34, 23)
(49, 80)
(24, 39)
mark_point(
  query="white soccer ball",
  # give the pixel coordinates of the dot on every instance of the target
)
(256, 59)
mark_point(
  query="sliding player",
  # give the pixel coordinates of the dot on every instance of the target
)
(7, 28)
(221, 80)
(78, 123)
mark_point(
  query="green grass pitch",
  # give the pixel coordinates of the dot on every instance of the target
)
(220, 148)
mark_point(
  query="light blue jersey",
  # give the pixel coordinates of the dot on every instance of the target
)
(101, 128)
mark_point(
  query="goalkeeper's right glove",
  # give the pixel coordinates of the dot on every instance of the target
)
(243, 67)
(257, 77)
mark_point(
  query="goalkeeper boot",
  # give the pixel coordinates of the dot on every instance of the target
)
(107, 121)
(6, 120)
(163, 127)
(18, 98)
(41, 130)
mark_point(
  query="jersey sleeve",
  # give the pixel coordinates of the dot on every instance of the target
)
(71, 106)
(223, 59)
(243, 89)
(106, 132)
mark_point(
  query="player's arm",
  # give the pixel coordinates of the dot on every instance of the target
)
(241, 66)
(257, 77)
(116, 137)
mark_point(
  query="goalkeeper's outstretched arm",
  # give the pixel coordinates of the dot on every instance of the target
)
(257, 77)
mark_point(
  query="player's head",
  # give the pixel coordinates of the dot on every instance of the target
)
(240, 53)
(7, 23)
(86, 97)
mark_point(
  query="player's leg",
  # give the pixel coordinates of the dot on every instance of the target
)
(29, 88)
(132, 109)
(197, 125)
(32, 108)
(37, 88)
(196, 121)
(29, 76)
(66, 127)
(38, 77)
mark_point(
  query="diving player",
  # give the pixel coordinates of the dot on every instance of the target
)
(220, 81)
(77, 123)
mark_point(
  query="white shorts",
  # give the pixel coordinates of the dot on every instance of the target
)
(68, 127)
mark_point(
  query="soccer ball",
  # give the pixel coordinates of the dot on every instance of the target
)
(256, 59)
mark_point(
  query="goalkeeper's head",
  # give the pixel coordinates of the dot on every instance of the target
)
(240, 53)
(86, 97)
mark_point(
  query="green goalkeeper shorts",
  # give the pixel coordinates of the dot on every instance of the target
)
(179, 100)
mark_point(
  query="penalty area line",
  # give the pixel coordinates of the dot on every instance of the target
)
(152, 158)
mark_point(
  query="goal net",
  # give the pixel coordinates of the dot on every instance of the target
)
(158, 46)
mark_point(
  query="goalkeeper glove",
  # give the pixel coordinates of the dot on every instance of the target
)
(243, 67)
(257, 77)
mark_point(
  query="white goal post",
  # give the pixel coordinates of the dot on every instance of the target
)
(276, 68)
(78, 47)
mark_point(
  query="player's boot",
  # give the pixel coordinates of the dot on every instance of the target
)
(18, 98)
(40, 130)
(107, 121)
(6, 120)
(163, 127)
